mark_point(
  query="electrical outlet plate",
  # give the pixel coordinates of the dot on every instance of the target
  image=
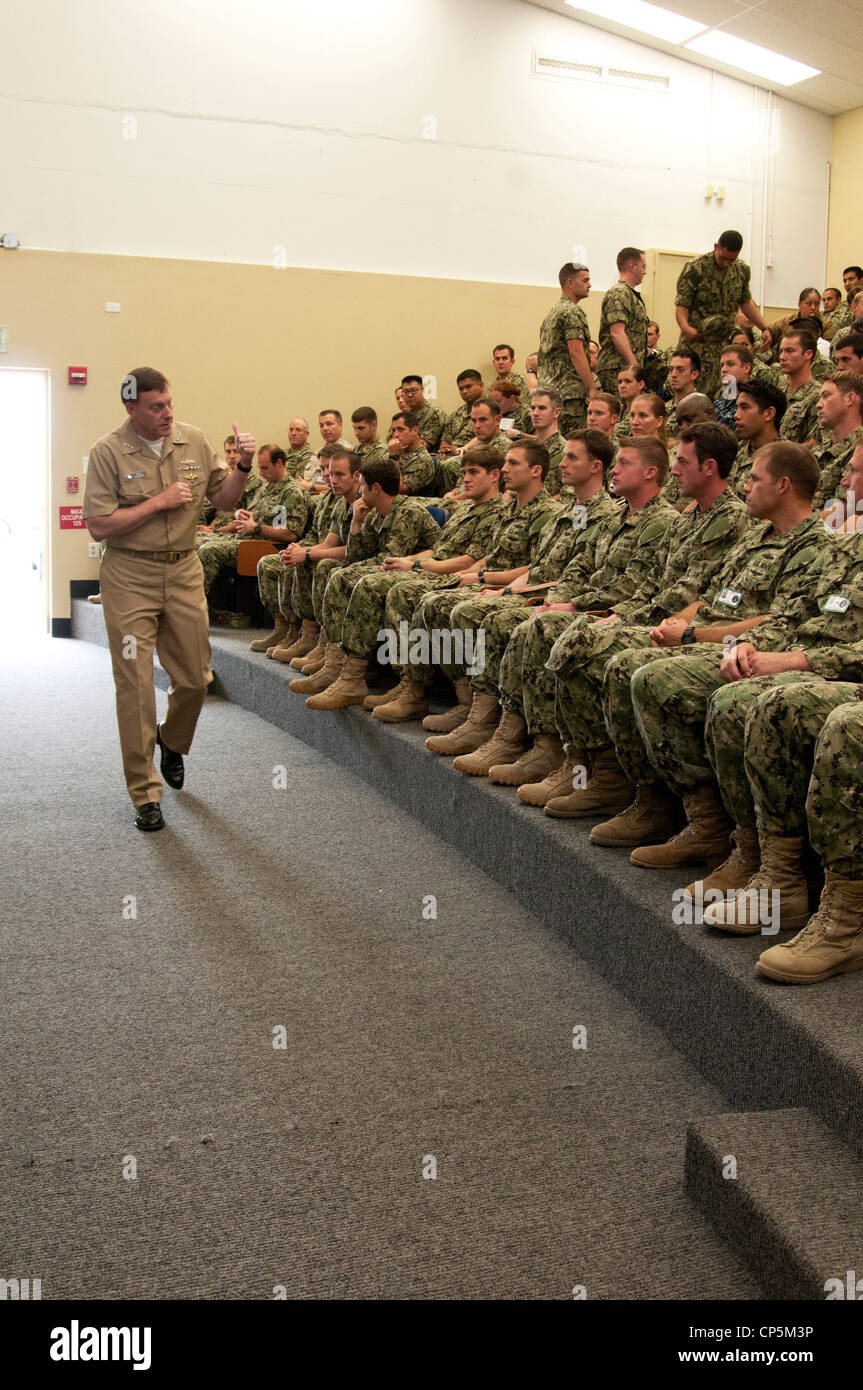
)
(93, 550)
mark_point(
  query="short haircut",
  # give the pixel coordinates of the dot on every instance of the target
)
(537, 454)
(142, 379)
(627, 255)
(812, 323)
(851, 270)
(486, 400)
(653, 452)
(469, 374)
(383, 471)
(230, 439)
(614, 405)
(507, 387)
(794, 462)
(277, 454)
(854, 341)
(566, 272)
(364, 415)
(554, 396)
(339, 451)
(504, 347)
(807, 341)
(766, 394)
(411, 376)
(743, 354)
(651, 323)
(712, 441)
(849, 383)
(337, 413)
(834, 289)
(731, 241)
(637, 372)
(690, 353)
(804, 294)
(747, 331)
(597, 444)
(412, 421)
(485, 456)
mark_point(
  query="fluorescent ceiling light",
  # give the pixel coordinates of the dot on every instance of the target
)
(649, 19)
(751, 57)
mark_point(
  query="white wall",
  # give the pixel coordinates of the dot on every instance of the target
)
(261, 123)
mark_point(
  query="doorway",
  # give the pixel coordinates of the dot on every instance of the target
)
(23, 500)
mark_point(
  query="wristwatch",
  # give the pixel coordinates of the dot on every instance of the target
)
(417, 565)
(481, 573)
(308, 555)
(688, 636)
(257, 530)
(244, 470)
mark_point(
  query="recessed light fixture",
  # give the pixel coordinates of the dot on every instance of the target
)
(751, 57)
(649, 19)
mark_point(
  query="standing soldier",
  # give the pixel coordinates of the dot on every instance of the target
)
(564, 340)
(710, 290)
(623, 321)
(145, 485)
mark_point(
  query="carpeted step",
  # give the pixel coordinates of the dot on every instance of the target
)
(787, 1195)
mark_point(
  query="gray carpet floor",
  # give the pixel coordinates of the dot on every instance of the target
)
(260, 908)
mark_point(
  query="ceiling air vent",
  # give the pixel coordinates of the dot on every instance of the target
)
(564, 69)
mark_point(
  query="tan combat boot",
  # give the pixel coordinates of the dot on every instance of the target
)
(407, 701)
(380, 697)
(831, 943)
(349, 689)
(544, 757)
(557, 783)
(272, 639)
(505, 745)
(775, 895)
(606, 789)
(328, 673)
(311, 664)
(473, 733)
(302, 645)
(445, 723)
(706, 835)
(648, 819)
(736, 871)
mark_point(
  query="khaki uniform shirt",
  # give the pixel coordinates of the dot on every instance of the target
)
(122, 471)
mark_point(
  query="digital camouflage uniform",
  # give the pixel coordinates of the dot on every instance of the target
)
(284, 500)
(623, 428)
(407, 528)
(836, 320)
(515, 543)
(833, 460)
(340, 525)
(741, 468)
(431, 424)
(669, 696)
(458, 429)
(468, 530)
(297, 460)
(800, 421)
(555, 444)
(688, 559)
(252, 487)
(375, 449)
(655, 370)
(712, 297)
(417, 470)
(289, 587)
(827, 625)
(620, 304)
(499, 617)
(565, 323)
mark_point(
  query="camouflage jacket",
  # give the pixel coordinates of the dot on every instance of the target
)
(825, 619)
(517, 536)
(407, 528)
(741, 468)
(764, 570)
(468, 530)
(297, 459)
(713, 296)
(617, 559)
(252, 488)
(458, 429)
(565, 323)
(621, 304)
(833, 460)
(800, 421)
(563, 538)
(417, 470)
(286, 502)
(375, 449)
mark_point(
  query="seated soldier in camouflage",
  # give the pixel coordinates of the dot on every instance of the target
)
(299, 456)
(736, 366)
(684, 372)
(849, 355)
(364, 422)
(800, 421)
(630, 383)
(285, 626)
(854, 325)
(772, 566)
(603, 413)
(406, 448)
(278, 513)
(503, 356)
(430, 420)
(485, 423)
(458, 429)
(656, 360)
(760, 407)
(501, 615)
(514, 419)
(840, 415)
(808, 307)
(466, 536)
(384, 522)
(223, 523)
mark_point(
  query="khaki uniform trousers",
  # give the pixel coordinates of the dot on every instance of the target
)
(151, 603)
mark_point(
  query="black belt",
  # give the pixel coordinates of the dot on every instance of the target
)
(169, 555)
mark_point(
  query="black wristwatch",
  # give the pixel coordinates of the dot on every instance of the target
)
(257, 530)
(308, 555)
(417, 565)
(688, 636)
(244, 470)
(480, 574)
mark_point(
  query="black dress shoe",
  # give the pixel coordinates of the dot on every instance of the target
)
(149, 816)
(171, 763)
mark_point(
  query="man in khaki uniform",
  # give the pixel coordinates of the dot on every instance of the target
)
(145, 485)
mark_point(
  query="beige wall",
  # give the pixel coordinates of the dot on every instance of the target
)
(845, 226)
(238, 342)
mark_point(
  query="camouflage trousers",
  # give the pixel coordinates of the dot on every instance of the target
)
(670, 700)
(573, 416)
(834, 805)
(726, 734)
(434, 612)
(783, 731)
(402, 606)
(526, 686)
(496, 618)
(269, 573)
(337, 594)
(320, 579)
(593, 709)
(217, 554)
(295, 591)
(369, 610)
